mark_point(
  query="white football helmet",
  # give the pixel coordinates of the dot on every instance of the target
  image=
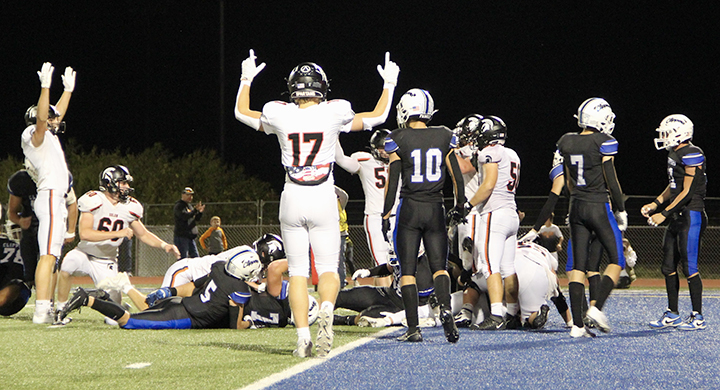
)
(12, 231)
(243, 263)
(313, 311)
(674, 130)
(415, 103)
(596, 113)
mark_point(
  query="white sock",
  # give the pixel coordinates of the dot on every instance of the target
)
(126, 288)
(496, 309)
(303, 333)
(42, 304)
(468, 306)
(512, 308)
(327, 305)
(61, 305)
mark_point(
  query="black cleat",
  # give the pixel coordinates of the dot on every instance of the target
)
(414, 337)
(76, 302)
(540, 318)
(463, 319)
(448, 322)
(98, 294)
(490, 323)
(512, 322)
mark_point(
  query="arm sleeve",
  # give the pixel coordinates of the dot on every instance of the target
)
(457, 177)
(392, 186)
(546, 210)
(613, 184)
(234, 312)
(380, 271)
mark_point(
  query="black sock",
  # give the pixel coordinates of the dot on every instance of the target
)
(560, 303)
(108, 309)
(696, 288)
(577, 297)
(672, 286)
(606, 287)
(442, 290)
(410, 301)
(594, 287)
(343, 320)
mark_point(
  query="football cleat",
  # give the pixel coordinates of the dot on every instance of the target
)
(43, 316)
(463, 319)
(540, 318)
(448, 322)
(492, 322)
(577, 332)
(304, 348)
(77, 301)
(694, 322)
(325, 333)
(414, 337)
(512, 322)
(668, 320)
(598, 318)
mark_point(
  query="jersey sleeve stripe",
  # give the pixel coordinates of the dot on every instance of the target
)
(134, 215)
(609, 148)
(556, 171)
(390, 145)
(239, 297)
(693, 160)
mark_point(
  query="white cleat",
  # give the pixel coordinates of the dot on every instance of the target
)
(577, 332)
(325, 333)
(304, 348)
(599, 318)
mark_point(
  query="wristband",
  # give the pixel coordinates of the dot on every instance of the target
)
(69, 235)
(387, 85)
(163, 245)
(245, 82)
(657, 202)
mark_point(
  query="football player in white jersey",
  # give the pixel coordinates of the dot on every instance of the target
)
(495, 235)
(372, 168)
(307, 130)
(43, 151)
(107, 216)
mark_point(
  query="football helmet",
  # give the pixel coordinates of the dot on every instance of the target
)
(111, 177)
(468, 129)
(53, 126)
(674, 130)
(415, 103)
(269, 248)
(307, 80)
(377, 142)
(12, 231)
(243, 263)
(596, 113)
(313, 311)
(492, 131)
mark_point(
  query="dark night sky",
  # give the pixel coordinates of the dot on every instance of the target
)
(151, 72)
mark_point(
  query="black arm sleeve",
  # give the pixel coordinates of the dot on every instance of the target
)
(613, 184)
(457, 177)
(546, 210)
(234, 311)
(688, 197)
(380, 270)
(392, 186)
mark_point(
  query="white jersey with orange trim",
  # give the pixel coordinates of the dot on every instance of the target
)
(48, 159)
(189, 270)
(471, 179)
(107, 217)
(307, 136)
(503, 195)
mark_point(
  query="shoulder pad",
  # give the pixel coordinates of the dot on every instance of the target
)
(90, 201)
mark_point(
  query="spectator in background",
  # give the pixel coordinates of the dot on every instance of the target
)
(218, 240)
(186, 218)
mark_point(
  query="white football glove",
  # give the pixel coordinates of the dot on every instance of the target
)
(249, 69)
(621, 218)
(45, 75)
(69, 79)
(529, 236)
(361, 273)
(390, 72)
(262, 287)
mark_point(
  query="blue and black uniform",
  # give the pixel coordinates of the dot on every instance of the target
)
(687, 223)
(11, 278)
(20, 184)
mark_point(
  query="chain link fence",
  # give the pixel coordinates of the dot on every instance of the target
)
(244, 222)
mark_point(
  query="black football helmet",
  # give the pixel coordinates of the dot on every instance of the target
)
(31, 118)
(468, 129)
(111, 176)
(377, 141)
(492, 130)
(269, 247)
(307, 80)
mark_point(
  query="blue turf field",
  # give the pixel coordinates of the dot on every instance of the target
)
(632, 356)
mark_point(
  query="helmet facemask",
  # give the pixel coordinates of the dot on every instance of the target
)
(112, 178)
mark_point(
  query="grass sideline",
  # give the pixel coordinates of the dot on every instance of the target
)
(89, 354)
